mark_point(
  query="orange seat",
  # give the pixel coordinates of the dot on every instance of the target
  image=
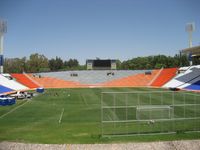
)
(164, 77)
(132, 81)
(23, 79)
(50, 82)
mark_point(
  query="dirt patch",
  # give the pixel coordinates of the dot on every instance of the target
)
(171, 145)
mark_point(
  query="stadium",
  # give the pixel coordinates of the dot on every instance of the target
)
(105, 103)
(94, 105)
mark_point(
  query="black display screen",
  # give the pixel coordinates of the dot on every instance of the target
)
(102, 63)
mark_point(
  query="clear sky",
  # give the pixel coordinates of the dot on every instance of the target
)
(82, 29)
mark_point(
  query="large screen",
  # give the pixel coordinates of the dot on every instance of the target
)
(102, 63)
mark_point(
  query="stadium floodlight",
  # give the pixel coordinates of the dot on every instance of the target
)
(190, 27)
(3, 30)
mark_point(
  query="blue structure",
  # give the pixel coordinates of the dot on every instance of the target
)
(40, 90)
(194, 86)
(5, 101)
(4, 89)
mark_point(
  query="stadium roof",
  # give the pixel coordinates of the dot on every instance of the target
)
(195, 51)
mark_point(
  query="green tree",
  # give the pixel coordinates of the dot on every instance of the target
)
(15, 65)
(55, 64)
(37, 62)
(71, 63)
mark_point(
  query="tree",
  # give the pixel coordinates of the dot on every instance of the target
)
(55, 64)
(37, 62)
(119, 64)
(15, 65)
(71, 63)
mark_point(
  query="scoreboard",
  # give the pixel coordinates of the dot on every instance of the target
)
(101, 64)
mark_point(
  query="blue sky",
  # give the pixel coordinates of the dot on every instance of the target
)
(82, 29)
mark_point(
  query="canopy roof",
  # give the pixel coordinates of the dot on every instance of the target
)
(195, 51)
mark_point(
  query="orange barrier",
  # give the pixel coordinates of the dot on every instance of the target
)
(50, 82)
(165, 76)
(21, 78)
(132, 81)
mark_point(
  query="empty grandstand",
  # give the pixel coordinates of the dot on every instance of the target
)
(103, 78)
(188, 78)
(164, 76)
(182, 78)
(25, 80)
(11, 84)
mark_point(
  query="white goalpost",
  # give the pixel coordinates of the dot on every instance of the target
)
(152, 112)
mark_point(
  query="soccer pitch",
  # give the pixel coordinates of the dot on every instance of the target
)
(70, 116)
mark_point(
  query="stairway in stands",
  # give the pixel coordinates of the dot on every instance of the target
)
(23, 79)
(165, 76)
(50, 82)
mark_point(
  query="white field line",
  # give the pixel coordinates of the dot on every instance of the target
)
(12, 110)
(84, 100)
(61, 115)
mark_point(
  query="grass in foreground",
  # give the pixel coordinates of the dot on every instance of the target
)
(38, 120)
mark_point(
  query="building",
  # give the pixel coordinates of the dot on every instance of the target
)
(101, 64)
(193, 54)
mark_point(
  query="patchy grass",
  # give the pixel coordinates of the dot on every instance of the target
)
(38, 120)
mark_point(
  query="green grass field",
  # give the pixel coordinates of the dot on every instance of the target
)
(37, 120)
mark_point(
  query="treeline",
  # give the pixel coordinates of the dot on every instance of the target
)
(154, 62)
(40, 63)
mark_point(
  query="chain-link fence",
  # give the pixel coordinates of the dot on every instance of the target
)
(149, 112)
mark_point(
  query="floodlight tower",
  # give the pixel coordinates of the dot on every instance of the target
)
(3, 29)
(190, 27)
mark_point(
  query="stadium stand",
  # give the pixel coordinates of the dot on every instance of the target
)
(4, 89)
(50, 82)
(187, 79)
(164, 76)
(194, 86)
(11, 84)
(140, 79)
(23, 79)
(91, 77)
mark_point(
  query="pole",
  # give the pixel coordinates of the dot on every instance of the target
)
(1, 53)
(190, 39)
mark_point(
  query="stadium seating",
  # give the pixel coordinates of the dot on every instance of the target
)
(132, 81)
(4, 89)
(189, 79)
(92, 77)
(23, 79)
(194, 86)
(11, 84)
(50, 82)
(164, 76)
